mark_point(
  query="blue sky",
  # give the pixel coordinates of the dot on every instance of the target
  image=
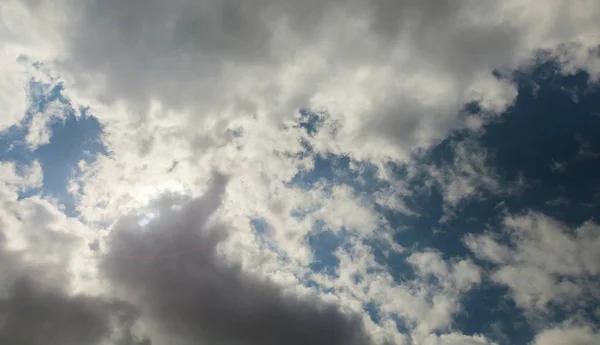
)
(554, 122)
(75, 136)
(408, 173)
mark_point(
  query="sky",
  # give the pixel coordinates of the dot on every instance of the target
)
(283, 172)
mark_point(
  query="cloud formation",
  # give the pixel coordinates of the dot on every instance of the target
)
(169, 273)
(410, 65)
(171, 268)
(544, 261)
(34, 314)
(327, 118)
(37, 305)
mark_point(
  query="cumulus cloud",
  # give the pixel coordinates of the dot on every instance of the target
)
(39, 277)
(398, 80)
(470, 174)
(185, 87)
(17, 178)
(460, 274)
(167, 271)
(426, 303)
(22, 37)
(582, 335)
(172, 269)
(545, 261)
(39, 132)
(34, 314)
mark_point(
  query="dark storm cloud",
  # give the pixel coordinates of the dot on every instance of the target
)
(34, 314)
(171, 268)
(35, 308)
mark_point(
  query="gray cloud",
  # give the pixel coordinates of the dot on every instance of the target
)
(34, 314)
(171, 269)
(156, 49)
(166, 273)
(421, 60)
(35, 307)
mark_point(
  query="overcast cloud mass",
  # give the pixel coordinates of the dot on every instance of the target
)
(299, 172)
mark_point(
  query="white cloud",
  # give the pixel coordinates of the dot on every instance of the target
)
(22, 37)
(39, 231)
(423, 304)
(488, 248)
(453, 339)
(39, 132)
(460, 275)
(582, 335)
(172, 81)
(470, 174)
(19, 178)
(14, 97)
(546, 260)
(410, 71)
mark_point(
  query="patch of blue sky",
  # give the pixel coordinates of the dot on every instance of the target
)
(75, 139)
(373, 310)
(395, 263)
(324, 243)
(545, 125)
(75, 136)
(325, 169)
(402, 324)
(332, 169)
(374, 313)
(426, 230)
(261, 229)
(259, 225)
(310, 121)
(13, 146)
(550, 137)
(488, 310)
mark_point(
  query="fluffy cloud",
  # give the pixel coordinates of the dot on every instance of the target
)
(19, 178)
(183, 88)
(409, 65)
(35, 314)
(426, 303)
(172, 269)
(22, 37)
(42, 261)
(546, 260)
(170, 273)
(583, 335)
(39, 132)
(469, 175)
